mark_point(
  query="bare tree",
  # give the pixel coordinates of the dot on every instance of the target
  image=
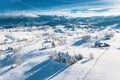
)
(18, 58)
(91, 56)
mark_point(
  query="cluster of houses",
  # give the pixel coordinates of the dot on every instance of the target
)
(7, 50)
(100, 44)
(63, 57)
(47, 45)
(103, 44)
(50, 44)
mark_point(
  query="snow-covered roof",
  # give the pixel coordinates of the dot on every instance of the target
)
(66, 56)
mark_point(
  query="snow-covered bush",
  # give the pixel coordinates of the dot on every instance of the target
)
(72, 60)
(109, 35)
(18, 61)
(13, 66)
(78, 57)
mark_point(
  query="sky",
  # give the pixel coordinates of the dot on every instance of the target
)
(74, 8)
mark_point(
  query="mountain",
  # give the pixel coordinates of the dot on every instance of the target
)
(44, 20)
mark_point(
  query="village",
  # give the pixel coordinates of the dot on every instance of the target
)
(59, 39)
(49, 39)
(49, 48)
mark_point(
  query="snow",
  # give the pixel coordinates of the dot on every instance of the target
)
(33, 63)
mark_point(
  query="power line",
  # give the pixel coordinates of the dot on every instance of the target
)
(95, 63)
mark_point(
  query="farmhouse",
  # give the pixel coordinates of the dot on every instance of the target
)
(99, 44)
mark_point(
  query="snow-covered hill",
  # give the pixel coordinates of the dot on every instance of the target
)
(25, 51)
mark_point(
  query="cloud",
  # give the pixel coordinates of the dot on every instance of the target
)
(112, 12)
(87, 9)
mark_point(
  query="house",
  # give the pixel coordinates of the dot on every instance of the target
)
(10, 49)
(60, 57)
(99, 44)
(65, 58)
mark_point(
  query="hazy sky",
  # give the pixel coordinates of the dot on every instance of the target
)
(37, 4)
(69, 7)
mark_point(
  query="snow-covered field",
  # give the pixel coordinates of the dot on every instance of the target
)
(29, 59)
